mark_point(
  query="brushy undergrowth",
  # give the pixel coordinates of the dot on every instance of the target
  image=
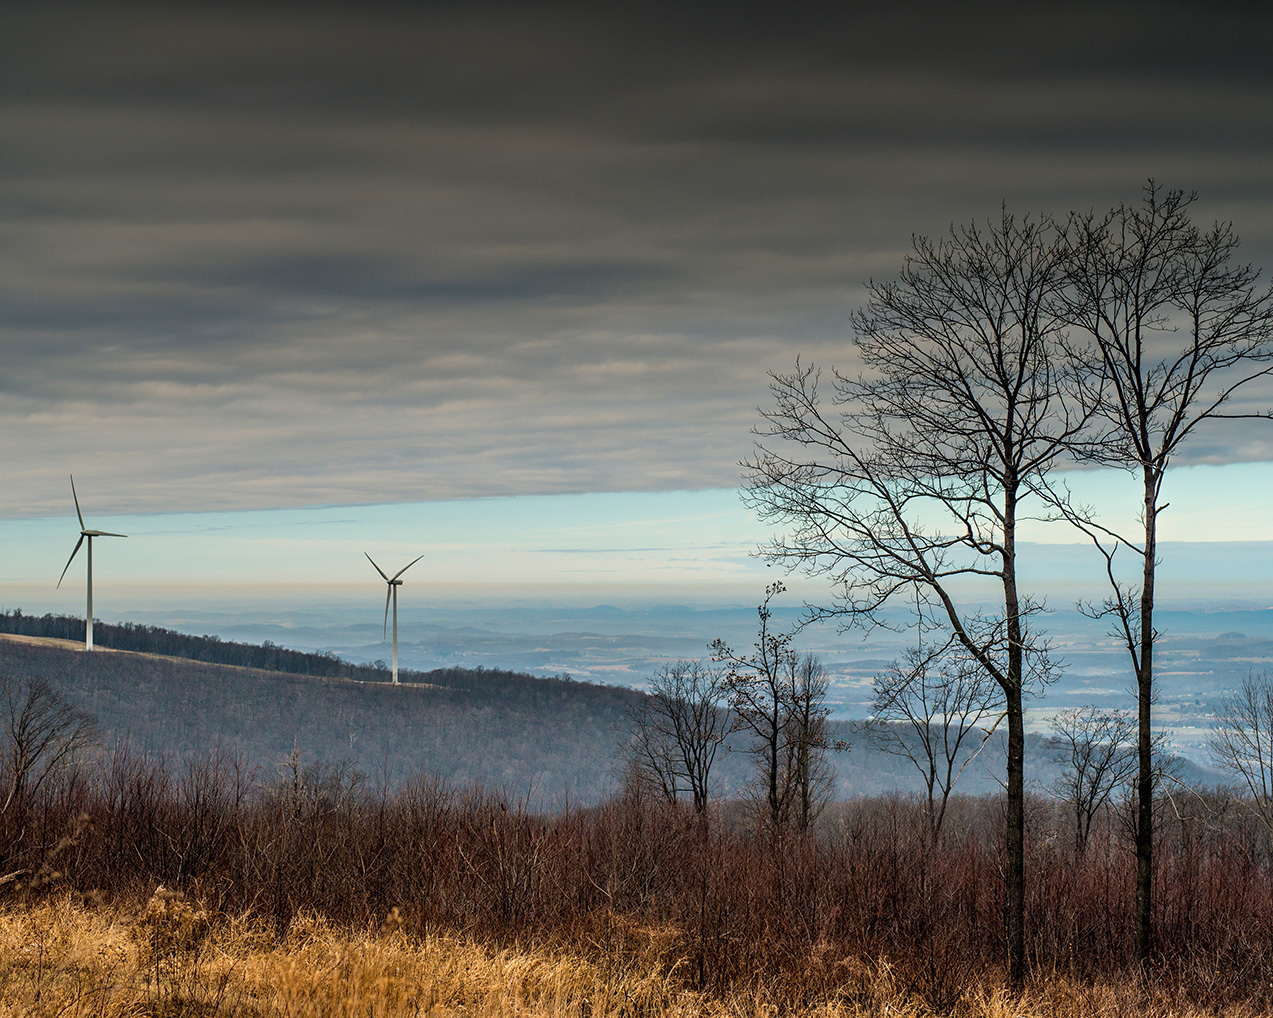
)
(171, 957)
(142, 889)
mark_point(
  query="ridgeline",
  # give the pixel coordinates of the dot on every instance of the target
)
(168, 692)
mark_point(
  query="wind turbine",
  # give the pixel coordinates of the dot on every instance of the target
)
(85, 533)
(392, 595)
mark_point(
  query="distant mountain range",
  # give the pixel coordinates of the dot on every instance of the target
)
(553, 739)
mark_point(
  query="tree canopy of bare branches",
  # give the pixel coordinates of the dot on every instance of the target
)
(1098, 748)
(679, 728)
(1242, 741)
(777, 696)
(929, 708)
(1175, 328)
(912, 478)
(41, 734)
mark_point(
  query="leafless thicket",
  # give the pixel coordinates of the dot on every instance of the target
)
(721, 907)
(777, 698)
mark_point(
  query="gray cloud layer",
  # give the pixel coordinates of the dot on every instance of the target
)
(259, 256)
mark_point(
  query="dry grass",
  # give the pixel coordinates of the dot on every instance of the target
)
(171, 957)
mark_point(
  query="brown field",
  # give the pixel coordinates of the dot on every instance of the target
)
(63, 958)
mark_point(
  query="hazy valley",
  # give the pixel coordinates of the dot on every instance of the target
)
(552, 740)
(1206, 648)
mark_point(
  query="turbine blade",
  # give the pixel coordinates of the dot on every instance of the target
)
(387, 596)
(378, 569)
(103, 533)
(77, 502)
(70, 560)
(405, 568)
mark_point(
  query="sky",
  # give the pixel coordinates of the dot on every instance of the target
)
(501, 282)
(678, 544)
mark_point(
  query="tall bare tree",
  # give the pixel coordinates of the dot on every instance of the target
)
(1176, 329)
(913, 480)
(1097, 747)
(929, 708)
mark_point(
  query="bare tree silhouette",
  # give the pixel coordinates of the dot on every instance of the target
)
(912, 481)
(1175, 329)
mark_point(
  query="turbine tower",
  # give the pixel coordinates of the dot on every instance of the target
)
(85, 534)
(392, 595)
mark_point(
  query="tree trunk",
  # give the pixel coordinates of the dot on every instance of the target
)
(774, 748)
(1014, 881)
(1144, 689)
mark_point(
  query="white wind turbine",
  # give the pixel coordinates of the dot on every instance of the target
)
(392, 595)
(85, 533)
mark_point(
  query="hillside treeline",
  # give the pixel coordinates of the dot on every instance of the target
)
(705, 900)
(270, 657)
(554, 738)
(212, 649)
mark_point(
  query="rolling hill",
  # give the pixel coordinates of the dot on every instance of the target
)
(551, 739)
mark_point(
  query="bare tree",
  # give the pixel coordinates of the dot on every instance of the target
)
(651, 752)
(1242, 742)
(680, 726)
(41, 735)
(808, 742)
(1175, 330)
(914, 482)
(930, 709)
(778, 696)
(1098, 746)
(756, 686)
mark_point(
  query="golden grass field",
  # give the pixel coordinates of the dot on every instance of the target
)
(64, 958)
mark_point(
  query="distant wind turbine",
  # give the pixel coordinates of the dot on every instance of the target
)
(392, 595)
(85, 534)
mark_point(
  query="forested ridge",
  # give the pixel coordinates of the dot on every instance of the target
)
(270, 657)
(158, 640)
(553, 737)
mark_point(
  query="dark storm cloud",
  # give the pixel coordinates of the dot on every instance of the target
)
(267, 255)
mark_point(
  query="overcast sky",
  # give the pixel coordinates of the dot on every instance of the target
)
(256, 256)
